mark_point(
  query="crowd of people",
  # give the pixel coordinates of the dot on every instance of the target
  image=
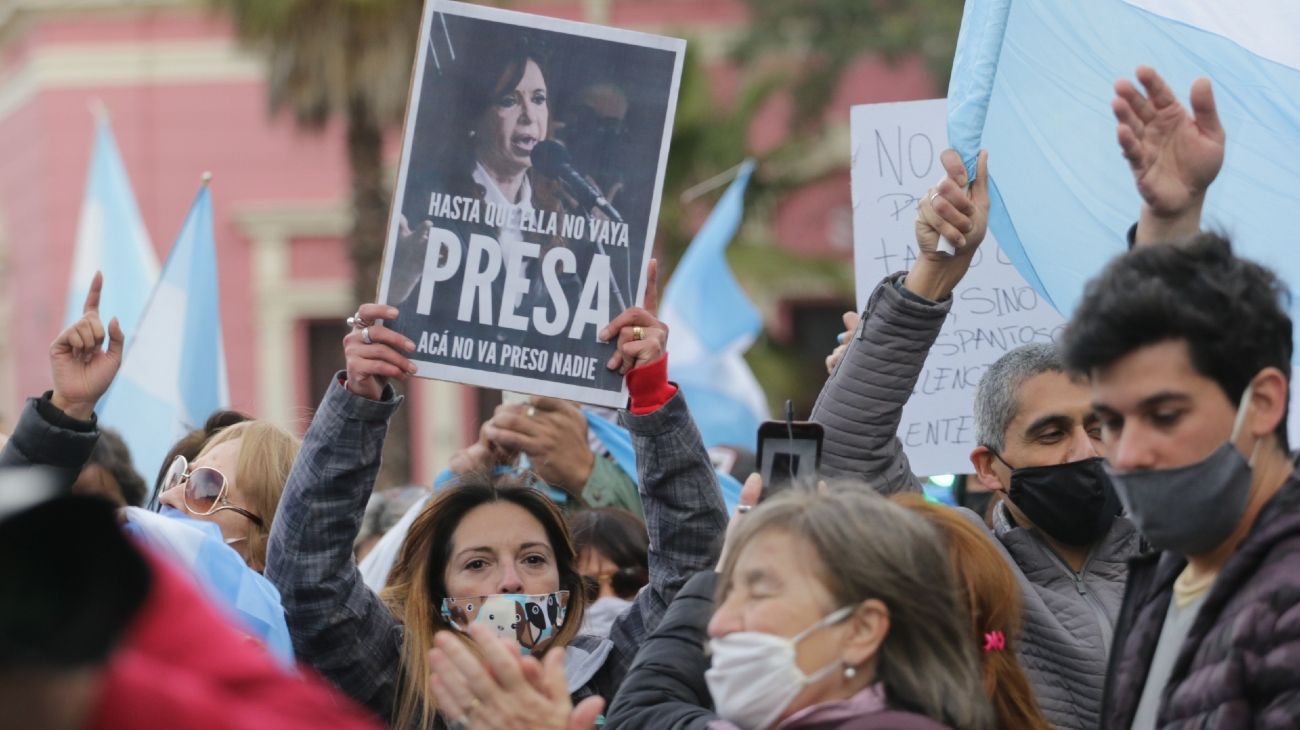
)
(1138, 568)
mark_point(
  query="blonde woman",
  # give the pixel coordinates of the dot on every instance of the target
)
(235, 482)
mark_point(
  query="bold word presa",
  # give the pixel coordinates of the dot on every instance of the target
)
(484, 262)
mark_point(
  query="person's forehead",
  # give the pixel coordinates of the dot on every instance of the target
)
(223, 456)
(498, 526)
(1164, 367)
(593, 561)
(1050, 394)
(777, 555)
(532, 72)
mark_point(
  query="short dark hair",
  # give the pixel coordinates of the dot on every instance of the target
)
(1231, 312)
(112, 455)
(615, 533)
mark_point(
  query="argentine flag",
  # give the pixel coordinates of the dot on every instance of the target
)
(174, 370)
(712, 323)
(198, 548)
(111, 238)
(1033, 80)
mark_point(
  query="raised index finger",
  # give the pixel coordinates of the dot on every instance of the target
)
(652, 287)
(92, 296)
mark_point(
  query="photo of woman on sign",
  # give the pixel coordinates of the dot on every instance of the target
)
(507, 254)
(498, 112)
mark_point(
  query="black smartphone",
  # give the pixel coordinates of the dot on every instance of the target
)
(789, 454)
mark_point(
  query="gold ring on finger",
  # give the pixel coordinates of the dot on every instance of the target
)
(638, 333)
(473, 705)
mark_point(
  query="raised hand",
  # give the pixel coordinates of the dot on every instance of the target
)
(1174, 154)
(957, 210)
(371, 364)
(850, 320)
(80, 368)
(642, 338)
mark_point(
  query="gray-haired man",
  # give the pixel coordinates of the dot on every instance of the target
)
(1039, 441)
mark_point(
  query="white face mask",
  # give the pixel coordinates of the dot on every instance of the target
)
(600, 616)
(754, 676)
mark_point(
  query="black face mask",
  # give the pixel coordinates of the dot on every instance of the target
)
(1074, 503)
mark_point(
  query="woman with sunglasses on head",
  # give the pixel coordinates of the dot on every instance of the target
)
(611, 544)
(483, 556)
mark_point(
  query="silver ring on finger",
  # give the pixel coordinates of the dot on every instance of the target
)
(460, 723)
(744, 508)
(356, 320)
(365, 336)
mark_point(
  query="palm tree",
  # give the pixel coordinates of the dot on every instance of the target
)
(349, 60)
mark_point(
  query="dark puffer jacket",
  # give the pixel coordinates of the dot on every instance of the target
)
(1240, 664)
(665, 688)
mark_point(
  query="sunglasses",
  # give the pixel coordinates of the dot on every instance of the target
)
(205, 489)
(625, 582)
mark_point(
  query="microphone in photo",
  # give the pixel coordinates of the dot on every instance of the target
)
(551, 159)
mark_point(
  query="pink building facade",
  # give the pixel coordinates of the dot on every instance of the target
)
(184, 98)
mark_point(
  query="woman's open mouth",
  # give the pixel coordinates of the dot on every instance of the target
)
(523, 144)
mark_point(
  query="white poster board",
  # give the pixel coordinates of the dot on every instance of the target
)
(532, 164)
(895, 160)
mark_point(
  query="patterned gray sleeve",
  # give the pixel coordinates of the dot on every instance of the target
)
(338, 625)
(861, 404)
(684, 513)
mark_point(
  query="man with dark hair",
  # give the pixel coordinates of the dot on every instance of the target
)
(1039, 442)
(1189, 349)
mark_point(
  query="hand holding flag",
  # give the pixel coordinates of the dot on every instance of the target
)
(957, 211)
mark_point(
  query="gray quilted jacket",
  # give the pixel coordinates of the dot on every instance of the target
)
(1069, 617)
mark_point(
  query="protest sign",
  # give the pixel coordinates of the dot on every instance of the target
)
(532, 162)
(896, 151)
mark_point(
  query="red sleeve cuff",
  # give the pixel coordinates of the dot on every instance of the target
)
(649, 387)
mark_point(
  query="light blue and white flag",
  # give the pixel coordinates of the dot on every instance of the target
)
(174, 370)
(111, 238)
(1032, 82)
(712, 324)
(198, 548)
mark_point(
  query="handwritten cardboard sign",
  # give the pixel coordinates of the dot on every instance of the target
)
(895, 161)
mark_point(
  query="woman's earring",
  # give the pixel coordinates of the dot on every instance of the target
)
(850, 671)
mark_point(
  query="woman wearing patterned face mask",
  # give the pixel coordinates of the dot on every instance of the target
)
(486, 558)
